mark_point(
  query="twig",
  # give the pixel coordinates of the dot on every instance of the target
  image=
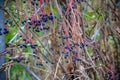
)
(9, 67)
(14, 38)
(58, 8)
(5, 64)
(41, 7)
(95, 34)
(57, 67)
(92, 63)
(47, 76)
(36, 36)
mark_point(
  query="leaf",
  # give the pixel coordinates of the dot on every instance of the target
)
(18, 71)
(89, 50)
(10, 35)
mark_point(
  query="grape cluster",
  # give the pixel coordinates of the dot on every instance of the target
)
(3, 31)
(39, 24)
(33, 46)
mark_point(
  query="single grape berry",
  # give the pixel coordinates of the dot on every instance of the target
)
(24, 45)
(0, 29)
(5, 31)
(24, 1)
(51, 17)
(33, 46)
(0, 33)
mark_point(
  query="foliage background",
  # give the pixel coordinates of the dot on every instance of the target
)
(100, 20)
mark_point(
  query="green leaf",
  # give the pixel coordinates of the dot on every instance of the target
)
(18, 72)
(10, 35)
(89, 50)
